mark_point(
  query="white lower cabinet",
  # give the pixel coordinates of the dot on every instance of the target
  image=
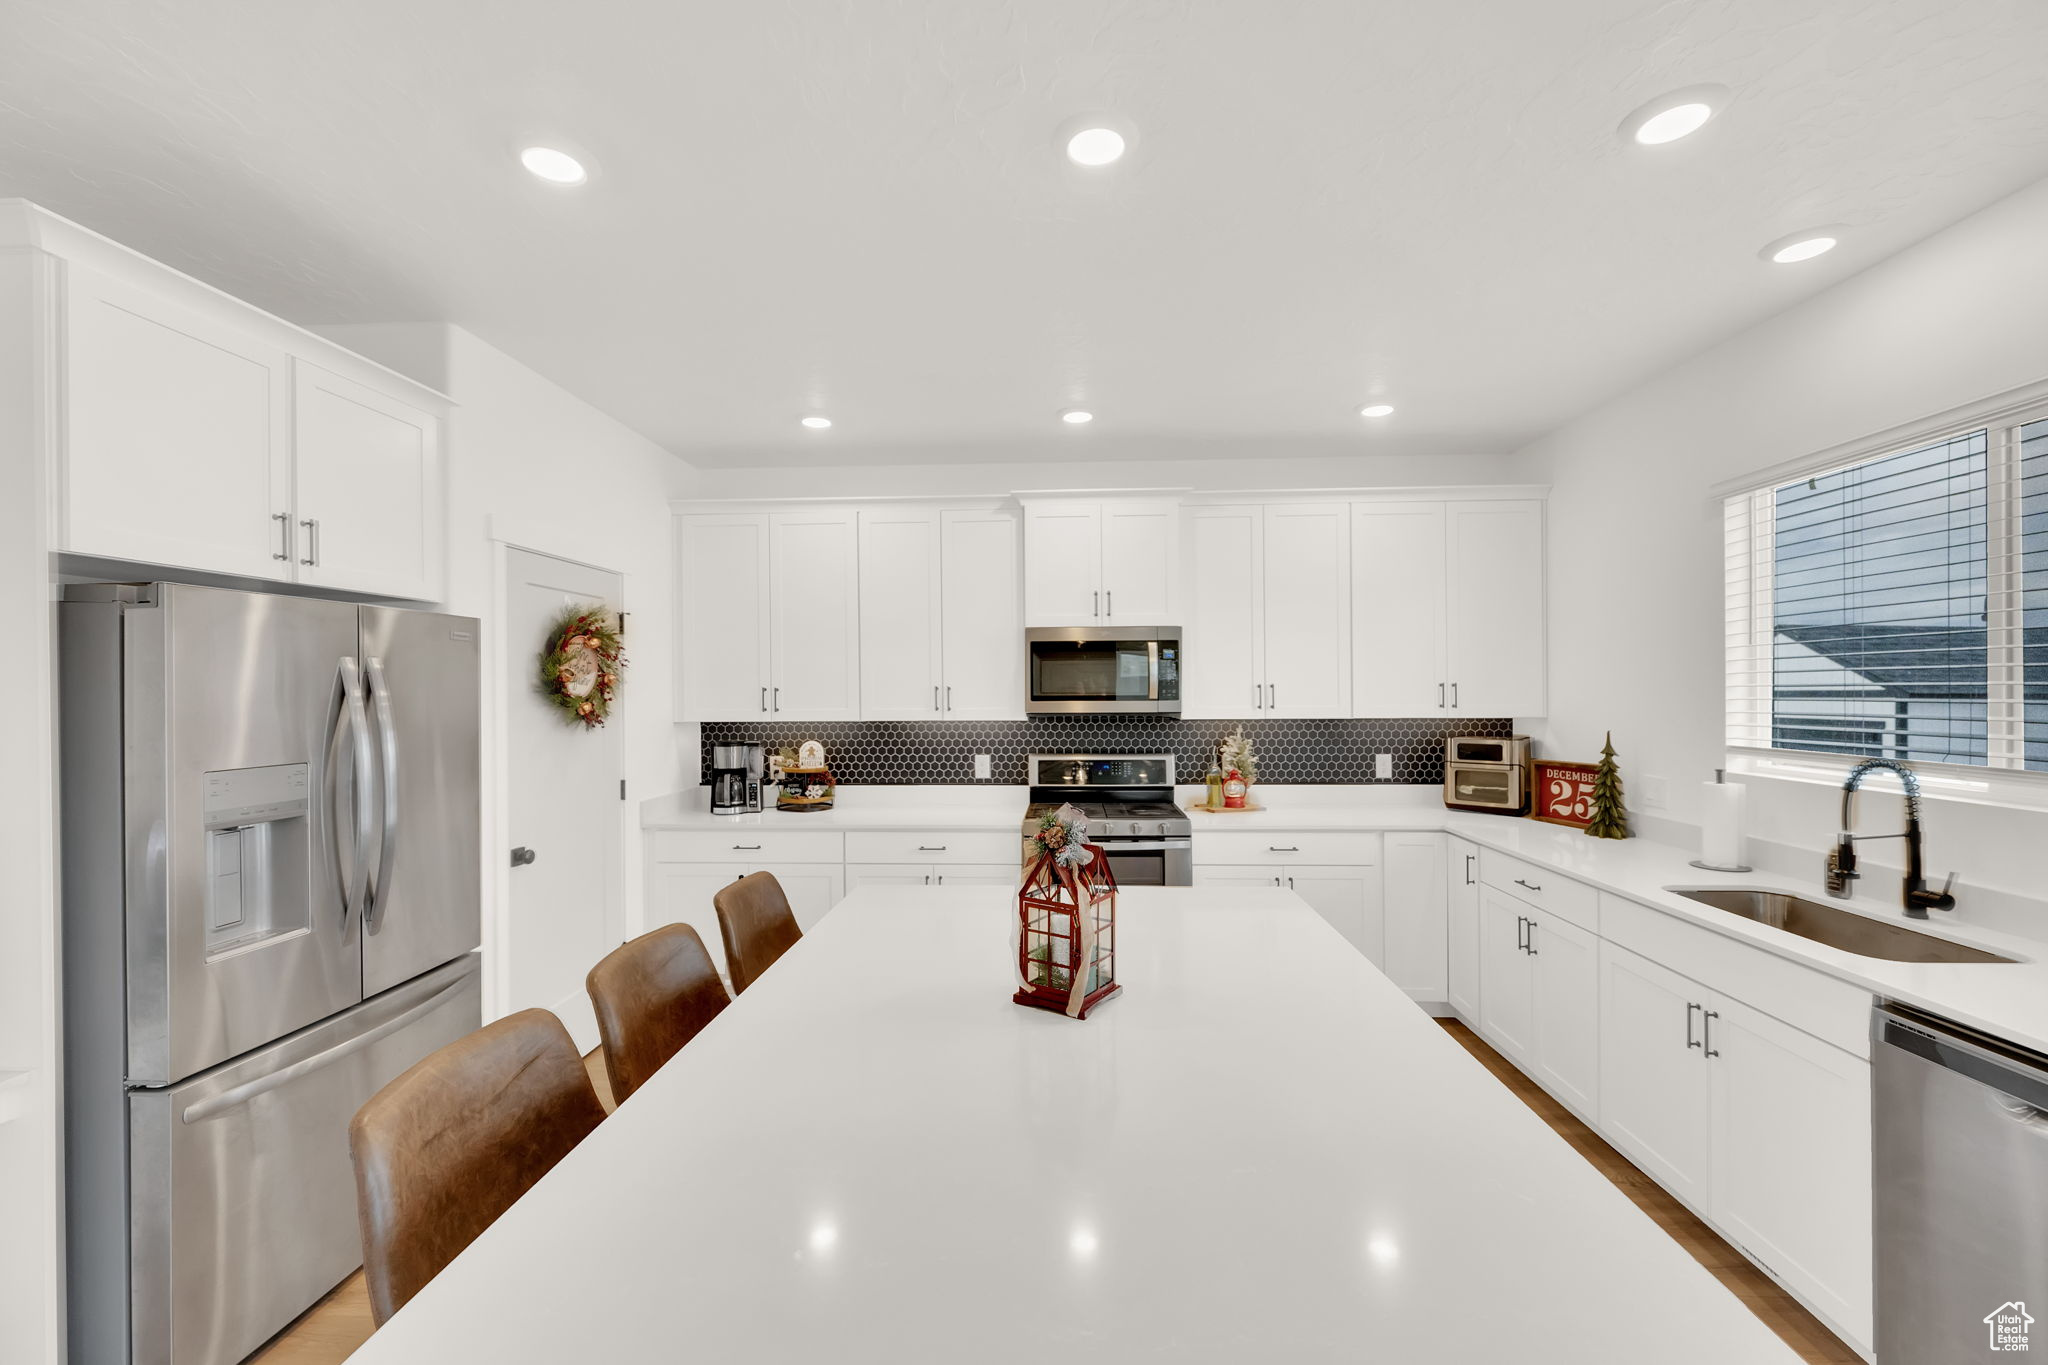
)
(681, 892)
(1507, 981)
(1461, 928)
(1350, 893)
(1539, 992)
(1415, 913)
(933, 874)
(1351, 899)
(1759, 1126)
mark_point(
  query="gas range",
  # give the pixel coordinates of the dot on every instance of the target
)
(1127, 800)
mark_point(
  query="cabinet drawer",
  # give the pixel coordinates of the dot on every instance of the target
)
(748, 844)
(946, 846)
(1832, 1010)
(1328, 848)
(1542, 888)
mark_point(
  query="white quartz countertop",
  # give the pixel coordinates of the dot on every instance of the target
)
(1260, 1151)
(2009, 1001)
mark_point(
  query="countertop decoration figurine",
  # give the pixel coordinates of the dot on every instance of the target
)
(1064, 945)
(1240, 764)
(1610, 816)
(806, 788)
(810, 754)
(580, 664)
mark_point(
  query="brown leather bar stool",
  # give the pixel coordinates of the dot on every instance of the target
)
(652, 995)
(444, 1149)
(757, 926)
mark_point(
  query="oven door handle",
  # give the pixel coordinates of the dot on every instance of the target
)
(1143, 845)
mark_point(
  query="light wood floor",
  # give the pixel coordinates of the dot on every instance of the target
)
(335, 1326)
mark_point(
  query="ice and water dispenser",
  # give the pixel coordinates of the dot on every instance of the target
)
(258, 841)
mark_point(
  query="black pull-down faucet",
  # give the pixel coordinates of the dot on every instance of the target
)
(1842, 858)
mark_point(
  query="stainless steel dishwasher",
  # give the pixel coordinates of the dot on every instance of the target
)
(1961, 1170)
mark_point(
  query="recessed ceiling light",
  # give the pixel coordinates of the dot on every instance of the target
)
(1675, 115)
(817, 423)
(1095, 146)
(1801, 246)
(1376, 410)
(553, 165)
(1075, 417)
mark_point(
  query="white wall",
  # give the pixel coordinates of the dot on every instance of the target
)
(1635, 552)
(532, 465)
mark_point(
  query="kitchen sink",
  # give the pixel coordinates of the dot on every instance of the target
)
(1837, 928)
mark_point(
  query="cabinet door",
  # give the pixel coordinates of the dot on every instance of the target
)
(1416, 914)
(979, 874)
(177, 438)
(1307, 596)
(1654, 1082)
(1566, 960)
(1140, 560)
(722, 565)
(1239, 876)
(812, 888)
(680, 893)
(983, 613)
(1507, 1005)
(1495, 658)
(1461, 877)
(1063, 564)
(1351, 899)
(887, 874)
(1223, 548)
(814, 615)
(1397, 609)
(368, 468)
(899, 614)
(1791, 1164)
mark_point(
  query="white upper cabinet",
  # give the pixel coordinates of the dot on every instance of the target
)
(899, 614)
(1448, 608)
(1398, 596)
(814, 615)
(1108, 563)
(177, 434)
(1494, 655)
(982, 659)
(1224, 550)
(369, 515)
(722, 565)
(1306, 587)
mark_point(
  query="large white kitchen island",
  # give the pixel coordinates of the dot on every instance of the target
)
(1261, 1151)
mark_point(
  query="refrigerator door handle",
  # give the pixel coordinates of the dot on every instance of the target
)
(347, 702)
(249, 1090)
(379, 890)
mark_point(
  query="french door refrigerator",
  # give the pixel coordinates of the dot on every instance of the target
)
(272, 883)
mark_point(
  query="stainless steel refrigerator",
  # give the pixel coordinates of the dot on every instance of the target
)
(272, 884)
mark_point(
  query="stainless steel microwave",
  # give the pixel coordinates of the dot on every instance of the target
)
(1089, 670)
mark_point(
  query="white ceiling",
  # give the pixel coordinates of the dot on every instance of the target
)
(858, 207)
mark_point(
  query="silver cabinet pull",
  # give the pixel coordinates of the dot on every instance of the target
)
(1275, 848)
(1290, 883)
(284, 528)
(312, 525)
(927, 879)
(949, 696)
(1454, 696)
(1521, 924)
(1439, 696)
(1109, 605)
(1526, 886)
(746, 848)
(1096, 598)
(1533, 950)
(1278, 881)
(935, 697)
(1707, 1031)
(1468, 869)
(931, 848)
(764, 700)
(1690, 1008)
(941, 879)
(1258, 696)
(778, 698)
(1272, 697)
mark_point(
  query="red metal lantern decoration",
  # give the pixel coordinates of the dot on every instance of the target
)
(1066, 921)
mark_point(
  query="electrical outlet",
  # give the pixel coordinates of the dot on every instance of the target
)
(1656, 793)
(981, 766)
(1383, 767)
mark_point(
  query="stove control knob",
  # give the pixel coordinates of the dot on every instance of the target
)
(1161, 831)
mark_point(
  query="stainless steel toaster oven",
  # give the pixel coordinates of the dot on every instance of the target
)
(1487, 773)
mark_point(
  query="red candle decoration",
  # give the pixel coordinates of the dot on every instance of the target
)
(1066, 921)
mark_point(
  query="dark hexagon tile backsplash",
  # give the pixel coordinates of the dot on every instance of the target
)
(941, 752)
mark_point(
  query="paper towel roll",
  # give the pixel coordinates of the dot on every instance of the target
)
(1722, 841)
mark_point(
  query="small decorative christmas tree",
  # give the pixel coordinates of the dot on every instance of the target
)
(1610, 816)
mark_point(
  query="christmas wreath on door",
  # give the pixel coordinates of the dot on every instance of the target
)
(580, 664)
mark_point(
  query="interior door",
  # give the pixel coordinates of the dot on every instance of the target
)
(369, 488)
(177, 434)
(982, 606)
(814, 608)
(425, 899)
(1397, 609)
(1139, 562)
(562, 801)
(1507, 1007)
(1654, 1085)
(899, 614)
(1063, 564)
(1567, 1006)
(1462, 927)
(1495, 650)
(723, 572)
(1306, 590)
(1224, 550)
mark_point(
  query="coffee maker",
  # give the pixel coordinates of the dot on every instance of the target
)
(736, 778)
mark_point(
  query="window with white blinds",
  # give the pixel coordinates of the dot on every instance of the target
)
(1897, 607)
